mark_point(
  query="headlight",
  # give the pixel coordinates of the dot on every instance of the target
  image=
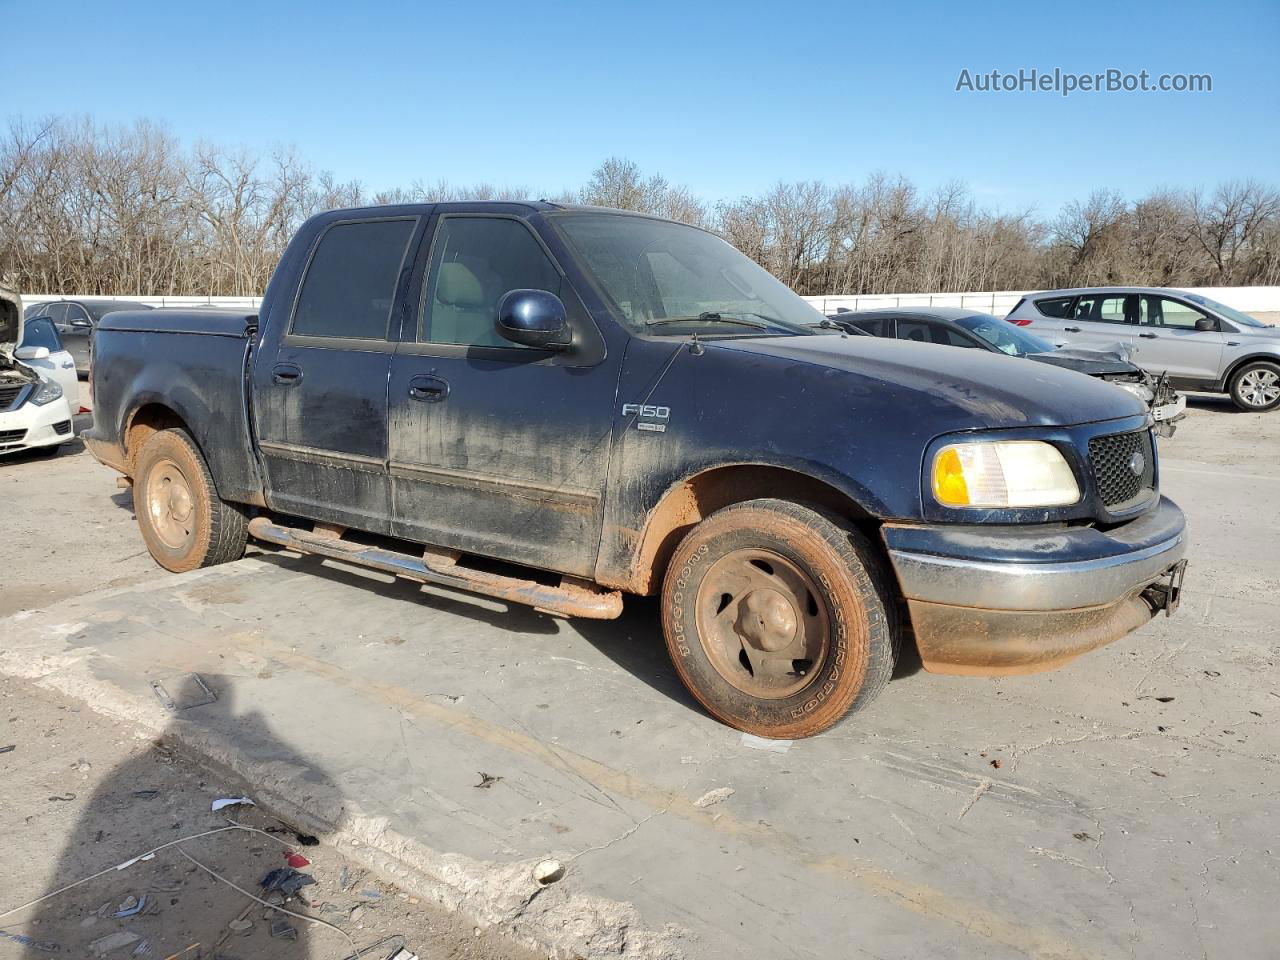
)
(47, 392)
(1003, 473)
(1139, 390)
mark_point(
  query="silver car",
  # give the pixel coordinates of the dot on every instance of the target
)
(1201, 344)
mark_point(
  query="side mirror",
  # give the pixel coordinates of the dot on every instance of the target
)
(31, 353)
(533, 318)
(1207, 325)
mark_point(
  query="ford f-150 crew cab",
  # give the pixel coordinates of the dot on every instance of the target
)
(561, 405)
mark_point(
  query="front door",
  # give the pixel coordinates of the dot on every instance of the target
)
(320, 391)
(498, 449)
(1168, 341)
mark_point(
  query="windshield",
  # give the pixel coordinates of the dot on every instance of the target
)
(1229, 312)
(1004, 336)
(668, 279)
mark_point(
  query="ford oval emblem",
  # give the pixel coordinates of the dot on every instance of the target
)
(1137, 463)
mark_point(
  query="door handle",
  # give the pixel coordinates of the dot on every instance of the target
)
(1148, 336)
(286, 374)
(1071, 329)
(428, 389)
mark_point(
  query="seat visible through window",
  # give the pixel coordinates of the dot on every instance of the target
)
(476, 261)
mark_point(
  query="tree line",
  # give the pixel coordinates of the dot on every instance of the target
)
(130, 210)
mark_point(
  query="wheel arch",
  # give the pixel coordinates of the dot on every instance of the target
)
(1236, 366)
(687, 501)
(147, 419)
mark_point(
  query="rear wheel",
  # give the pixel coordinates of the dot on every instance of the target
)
(1256, 386)
(183, 520)
(779, 618)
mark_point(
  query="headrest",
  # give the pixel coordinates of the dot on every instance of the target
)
(457, 286)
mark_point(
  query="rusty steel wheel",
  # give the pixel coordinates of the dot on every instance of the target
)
(183, 520)
(779, 618)
(761, 622)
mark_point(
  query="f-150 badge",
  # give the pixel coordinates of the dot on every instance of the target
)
(648, 416)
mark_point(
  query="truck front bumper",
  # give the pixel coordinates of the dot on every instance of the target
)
(995, 600)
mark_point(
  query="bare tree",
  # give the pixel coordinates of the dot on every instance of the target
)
(129, 210)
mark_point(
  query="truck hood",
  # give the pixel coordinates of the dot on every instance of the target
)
(965, 389)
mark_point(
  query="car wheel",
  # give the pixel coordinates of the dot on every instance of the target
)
(1256, 386)
(183, 520)
(779, 618)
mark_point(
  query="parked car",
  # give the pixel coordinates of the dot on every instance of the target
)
(34, 414)
(958, 327)
(558, 405)
(1201, 344)
(41, 349)
(75, 319)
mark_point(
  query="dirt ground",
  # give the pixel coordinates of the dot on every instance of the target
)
(80, 794)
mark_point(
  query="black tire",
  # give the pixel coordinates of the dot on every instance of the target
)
(1253, 383)
(830, 581)
(184, 522)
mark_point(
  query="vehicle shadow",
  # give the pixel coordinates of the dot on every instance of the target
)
(171, 906)
(1212, 401)
(516, 618)
(633, 642)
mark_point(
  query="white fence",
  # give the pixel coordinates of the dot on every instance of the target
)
(998, 302)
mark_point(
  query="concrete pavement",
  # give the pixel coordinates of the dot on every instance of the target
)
(1121, 807)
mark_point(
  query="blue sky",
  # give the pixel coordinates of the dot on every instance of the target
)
(725, 97)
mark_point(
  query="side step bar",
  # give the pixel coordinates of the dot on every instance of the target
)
(573, 598)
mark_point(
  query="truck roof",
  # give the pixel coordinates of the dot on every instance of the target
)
(486, 206)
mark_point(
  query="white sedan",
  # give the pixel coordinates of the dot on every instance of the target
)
(41, 348)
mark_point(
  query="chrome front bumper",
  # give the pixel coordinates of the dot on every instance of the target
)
(1019, 599)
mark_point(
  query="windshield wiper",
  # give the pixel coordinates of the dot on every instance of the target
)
(707, 318)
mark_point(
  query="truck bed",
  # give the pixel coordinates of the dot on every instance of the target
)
(190, 361)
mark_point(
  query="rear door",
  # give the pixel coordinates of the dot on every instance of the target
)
(498, 449)
(1168, 340)
(1101, 318)
(320, 393)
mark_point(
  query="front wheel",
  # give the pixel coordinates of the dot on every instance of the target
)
(1256, 386)
(183, 520)
(779, 618)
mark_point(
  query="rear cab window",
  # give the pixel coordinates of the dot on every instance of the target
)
(350, 285)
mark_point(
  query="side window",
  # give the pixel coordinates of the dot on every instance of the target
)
(1057, 307)
(350, 285)
(40, 332)
(917, 330)
(1163, 312)
(942, 333)
(1107, 309)
(874, 326)
(57, 312)
(474, 262)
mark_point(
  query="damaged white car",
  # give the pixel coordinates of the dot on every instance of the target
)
(34, 412)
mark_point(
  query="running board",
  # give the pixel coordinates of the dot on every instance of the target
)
(573, 598)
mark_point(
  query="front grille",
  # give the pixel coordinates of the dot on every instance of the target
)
(11, 436)
(9, 394)
(63, 428)
(1114, 458)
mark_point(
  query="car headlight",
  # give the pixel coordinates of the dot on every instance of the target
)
(1139, 390)
(1003, 473)
(47, 392)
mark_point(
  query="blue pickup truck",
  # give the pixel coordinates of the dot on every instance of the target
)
(561, 405)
